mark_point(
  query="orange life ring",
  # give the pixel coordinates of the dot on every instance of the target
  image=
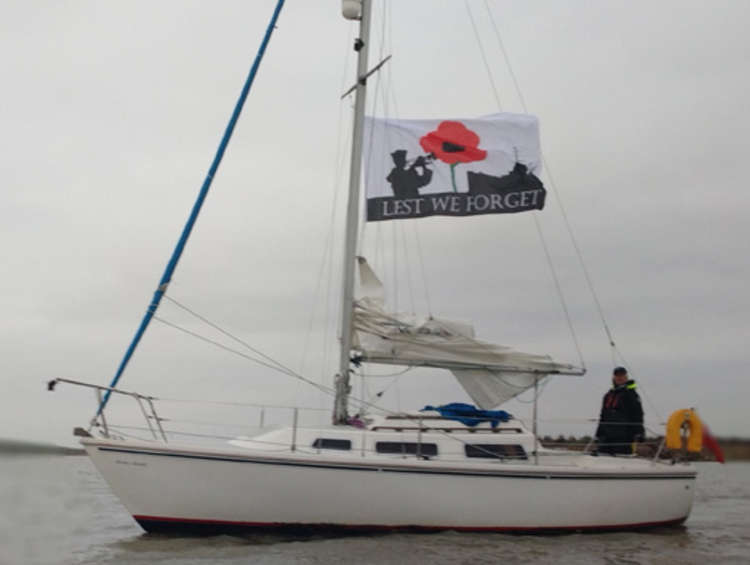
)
(685, 423)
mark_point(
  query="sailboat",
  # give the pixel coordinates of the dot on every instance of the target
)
(459, 466)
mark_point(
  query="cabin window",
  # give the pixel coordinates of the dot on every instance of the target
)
(406, 448)
(495, 451)
(327, 443)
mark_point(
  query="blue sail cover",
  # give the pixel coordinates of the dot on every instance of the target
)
(470, 415)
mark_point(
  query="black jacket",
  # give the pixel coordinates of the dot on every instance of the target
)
(621, 417)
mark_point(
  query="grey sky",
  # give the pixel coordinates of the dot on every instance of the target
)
(111, 113)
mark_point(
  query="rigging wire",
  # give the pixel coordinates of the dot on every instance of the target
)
(325, 271)
(537, 224)
(331, 223)
(373, 110)
(120, 427)
(270, 364)
(390, 271)
(421, 264)
(407, 260)
(484, 57)
(119, 431)
(505, 56)
(558, 288)
(558, 198)
(274, 365)
(328, 261)
(394, 241)
(205, 320)
(542, 385)
(400, 260)
(174, 259)
(632, 373)
(395, 381)
(396, 377)
(235, 403)
(387, 375)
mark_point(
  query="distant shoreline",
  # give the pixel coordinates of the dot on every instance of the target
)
(21, 447)
(734, 448)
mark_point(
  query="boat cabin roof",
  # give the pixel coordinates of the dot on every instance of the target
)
(425, 435)
(433, 421)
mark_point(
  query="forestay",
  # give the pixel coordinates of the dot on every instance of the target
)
(491, 374)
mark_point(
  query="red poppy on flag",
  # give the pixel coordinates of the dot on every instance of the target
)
(453, 143)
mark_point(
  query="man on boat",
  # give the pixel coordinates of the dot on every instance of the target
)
(621, 418)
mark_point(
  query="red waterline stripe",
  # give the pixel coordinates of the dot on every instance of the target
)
(281, 525)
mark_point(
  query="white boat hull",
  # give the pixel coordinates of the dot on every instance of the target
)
(183, 488)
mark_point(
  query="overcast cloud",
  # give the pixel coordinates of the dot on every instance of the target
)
(111, 113)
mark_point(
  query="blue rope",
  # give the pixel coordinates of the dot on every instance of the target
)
(167, 276)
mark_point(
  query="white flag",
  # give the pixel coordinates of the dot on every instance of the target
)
(418, 168)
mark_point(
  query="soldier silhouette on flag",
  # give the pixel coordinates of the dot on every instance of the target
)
(406, 181)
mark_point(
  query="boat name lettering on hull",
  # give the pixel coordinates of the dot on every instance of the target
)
(133, 463)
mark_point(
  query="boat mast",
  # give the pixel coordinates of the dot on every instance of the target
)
(352, 10)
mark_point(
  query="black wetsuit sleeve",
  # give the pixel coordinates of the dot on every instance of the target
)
(635, 413)
(599, 430)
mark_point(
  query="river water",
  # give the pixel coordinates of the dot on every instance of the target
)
(58, 510)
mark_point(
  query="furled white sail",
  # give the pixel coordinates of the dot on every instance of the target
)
(491, 374)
